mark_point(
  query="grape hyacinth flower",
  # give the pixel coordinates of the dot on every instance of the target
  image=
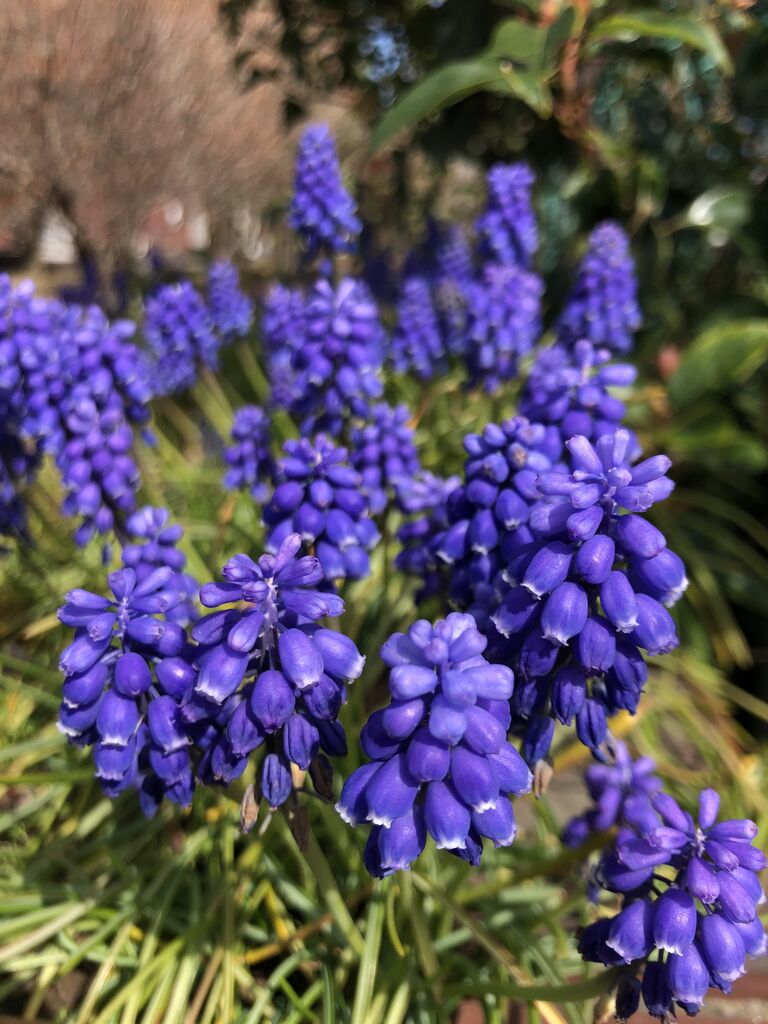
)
(251, 466)
(453, 275)
(453, 255)
(230, 308)
(97, 469)
(384, 454)
(107, 389)
(180, 332)
(602, 307)
(268, 675)
(440, 762)
(488, 512)
(120, 693)
(503, 322)
(622, 793)
(507, 227)
(283, 328)
(36, 353)
(339, 360)
(691, 892)
(319, 496)
(570, 388)
(71, 385)
(426, 497)
(578, 614)
(160, 537)
(322, 211)
(417, 344)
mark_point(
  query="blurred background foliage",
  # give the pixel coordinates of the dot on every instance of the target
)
(655, 116)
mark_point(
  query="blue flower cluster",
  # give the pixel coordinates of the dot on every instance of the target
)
(338, 361)
(571, 387)
(507, 226)
(283, 332)
(120, 694)
(267, 675)
(503, 322)
(452, 277)
(690, 891)
(318, 495)
(158, 709)
(180, 331)
(72, 385)
(417, 343)
(251, 466)
(230, 308)
(440, 761)
(621, 791)
(425, 497)
(486, 513)
(152, 544)
(384, 453)
(602, 307)
(322, 211)
(588, 593)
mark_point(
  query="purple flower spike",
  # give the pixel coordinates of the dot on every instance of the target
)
(72, 385)
(180, 332)
(574, 390)
(322, 211)
(685, 897)
(251, 466)
(507, 227)
(439, 747)
(602, 307)
(503, 322)
(384, 454)
(336, 353)
(113, 694)
(318, 496)
(231, 310)
(569, 589)
(417, 344)
(268, 675)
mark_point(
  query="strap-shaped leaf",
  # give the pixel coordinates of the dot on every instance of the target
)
(440, 89)
(654, 24)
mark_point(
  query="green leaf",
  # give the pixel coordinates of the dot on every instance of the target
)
(531, 46)
(653, 24)
(518, 41)
(440, 89)
(722, 357)
(558, 33)
(529, 87)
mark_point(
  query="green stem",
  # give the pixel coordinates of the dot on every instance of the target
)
(370, 960)
(400, 1003)
(327, 885)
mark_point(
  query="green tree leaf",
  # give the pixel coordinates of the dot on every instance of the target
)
(527, 86)
(453, 83)
(518, 41)
(532, 46)
(653, 24)
(557, 34)
(723, 357)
